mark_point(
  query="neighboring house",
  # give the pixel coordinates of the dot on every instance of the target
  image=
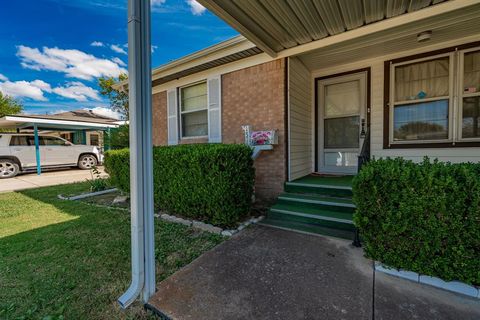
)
(87, 137)
(325, 77)
(83, 134)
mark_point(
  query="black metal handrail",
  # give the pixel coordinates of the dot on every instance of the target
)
(363, 158)
(364, 155)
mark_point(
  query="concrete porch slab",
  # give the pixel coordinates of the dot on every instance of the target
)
(402, 299)
(265, 273)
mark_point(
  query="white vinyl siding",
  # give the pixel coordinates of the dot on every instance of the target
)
(454, 155)
(300, 116)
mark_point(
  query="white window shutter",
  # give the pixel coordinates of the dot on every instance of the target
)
(214, 109)
(172, 122)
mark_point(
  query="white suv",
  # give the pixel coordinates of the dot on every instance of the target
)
(17, 154)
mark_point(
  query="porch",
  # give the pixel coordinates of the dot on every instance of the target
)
(386, 92)
(264, 273)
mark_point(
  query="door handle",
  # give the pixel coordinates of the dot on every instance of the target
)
(17, 149)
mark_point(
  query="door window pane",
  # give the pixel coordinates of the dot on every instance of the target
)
(421, 121)
(342, 132)
(426, 79)
(195, 124)
(342, 99)
(471, 117)
(471, 68)
(341, 159)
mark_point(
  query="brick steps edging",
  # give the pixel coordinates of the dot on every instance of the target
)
(452, 286)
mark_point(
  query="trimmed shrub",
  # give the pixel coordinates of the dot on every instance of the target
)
(421, 217)
(208, 182)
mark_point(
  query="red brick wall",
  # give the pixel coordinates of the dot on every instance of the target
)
(255, 96)
(251, 96)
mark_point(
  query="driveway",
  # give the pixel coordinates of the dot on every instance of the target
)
(50, 178)
(265, 273)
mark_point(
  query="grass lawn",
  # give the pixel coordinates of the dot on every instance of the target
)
(71, 260)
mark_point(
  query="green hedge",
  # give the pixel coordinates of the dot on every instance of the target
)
(421, 217)
(208, 182)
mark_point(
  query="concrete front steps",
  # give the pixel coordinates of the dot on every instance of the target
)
(315, 204)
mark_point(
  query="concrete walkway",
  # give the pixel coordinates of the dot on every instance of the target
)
(265, 273)
(50, 178)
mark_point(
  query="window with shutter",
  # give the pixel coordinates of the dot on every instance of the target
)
(194, 110)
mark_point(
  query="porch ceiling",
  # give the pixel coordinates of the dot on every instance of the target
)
(275, 26)
(446, 27)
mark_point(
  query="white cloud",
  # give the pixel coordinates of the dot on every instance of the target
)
(3, 78)
(97, 44)
(74, 63)
(42, 85)
(107, 112)
(117, 49)
(24, 89)
(154, 48)
(196, 8)
(119, 62)
(77, 91)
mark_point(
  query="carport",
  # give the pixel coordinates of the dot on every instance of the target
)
(37, 123)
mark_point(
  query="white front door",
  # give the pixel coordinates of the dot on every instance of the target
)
(341, 104)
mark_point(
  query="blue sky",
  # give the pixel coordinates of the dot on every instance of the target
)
(53, 51)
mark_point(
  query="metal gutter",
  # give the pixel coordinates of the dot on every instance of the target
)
(141, 157)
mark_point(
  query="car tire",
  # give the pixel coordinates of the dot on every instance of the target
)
(87, 161)
(8, 168)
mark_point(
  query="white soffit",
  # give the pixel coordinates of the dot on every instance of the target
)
(278, 25)
(447, 27)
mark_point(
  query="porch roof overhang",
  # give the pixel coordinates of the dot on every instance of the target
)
(291, 27)
(23, 122)
(227, 51)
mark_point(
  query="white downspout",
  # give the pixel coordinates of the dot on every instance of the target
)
(141, 158)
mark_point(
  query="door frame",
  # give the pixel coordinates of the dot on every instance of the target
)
(367, 70)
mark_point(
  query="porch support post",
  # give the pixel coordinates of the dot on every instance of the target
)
(141, 159)
(37, 148)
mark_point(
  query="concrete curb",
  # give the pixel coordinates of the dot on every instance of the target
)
(452, 286)
(209, 227)
(86, 195)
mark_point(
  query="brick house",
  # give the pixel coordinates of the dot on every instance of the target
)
(394, 80)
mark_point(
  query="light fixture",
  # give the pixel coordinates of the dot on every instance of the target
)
(424, 36)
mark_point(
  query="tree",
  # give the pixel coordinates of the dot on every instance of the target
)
(117, 138)
(118, 98)
(8, 105)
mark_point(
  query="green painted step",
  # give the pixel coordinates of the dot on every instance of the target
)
(317, 201)
(305, 218)
(318, 213)
(340, 181)
(308, 228)
(332, 219)
(325, 189)
(316, 204)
